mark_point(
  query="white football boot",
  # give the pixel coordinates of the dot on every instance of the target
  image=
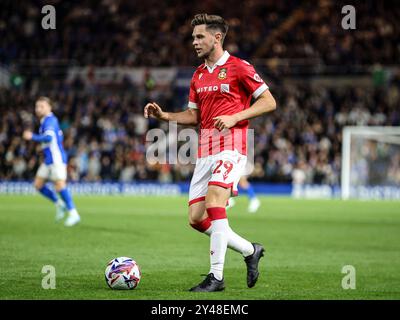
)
(254, 205)
(73, 218)
(60, 210)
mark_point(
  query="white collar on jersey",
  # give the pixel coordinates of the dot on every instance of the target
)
(44, 118)
(221, 61)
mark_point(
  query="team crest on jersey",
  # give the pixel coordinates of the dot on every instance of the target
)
(200, 75)
(222, 74)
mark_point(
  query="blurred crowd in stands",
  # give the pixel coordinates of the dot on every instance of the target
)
(105, 135)
(105, 131)
(158, 33)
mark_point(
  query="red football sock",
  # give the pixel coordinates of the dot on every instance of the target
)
(202, 226)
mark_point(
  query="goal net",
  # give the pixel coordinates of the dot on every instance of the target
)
(371, 163)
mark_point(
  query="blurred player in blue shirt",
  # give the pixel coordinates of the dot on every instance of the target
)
(54, 167)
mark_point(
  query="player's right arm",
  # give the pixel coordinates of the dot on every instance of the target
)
(188, 117)
(45, 137)
(191, 116)
(28, 135)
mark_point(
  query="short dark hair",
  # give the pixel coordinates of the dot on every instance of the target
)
(46, 99)
(212, 22)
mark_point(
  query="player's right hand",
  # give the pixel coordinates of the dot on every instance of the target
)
(27, 135)
(153, 110)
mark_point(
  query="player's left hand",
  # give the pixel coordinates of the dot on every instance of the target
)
(27, 135)
(224, 122)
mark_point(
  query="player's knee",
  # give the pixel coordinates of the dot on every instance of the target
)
(38, 184)
(196, 216)
(59, 185)
(194, 220)
(200, 224)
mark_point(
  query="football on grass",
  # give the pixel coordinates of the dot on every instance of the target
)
(122, 273)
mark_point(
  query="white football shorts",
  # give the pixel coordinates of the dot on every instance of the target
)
(223, 169)
(52, 172)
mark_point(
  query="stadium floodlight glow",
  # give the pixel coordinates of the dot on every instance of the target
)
(370, 162)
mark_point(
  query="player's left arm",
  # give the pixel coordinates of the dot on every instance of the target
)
(263, 104)
(254, 85)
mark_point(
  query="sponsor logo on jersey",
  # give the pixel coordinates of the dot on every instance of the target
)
(224, 87)
(222, 74)
(207, 89)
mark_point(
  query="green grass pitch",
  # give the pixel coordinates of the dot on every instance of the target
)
(307, 243)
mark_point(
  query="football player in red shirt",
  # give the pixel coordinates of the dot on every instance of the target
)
(219, 101)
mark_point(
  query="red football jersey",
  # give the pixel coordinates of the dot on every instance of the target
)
(224, 89)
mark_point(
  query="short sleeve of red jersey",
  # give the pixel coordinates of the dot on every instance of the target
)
(193, 97)
(250, 79)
